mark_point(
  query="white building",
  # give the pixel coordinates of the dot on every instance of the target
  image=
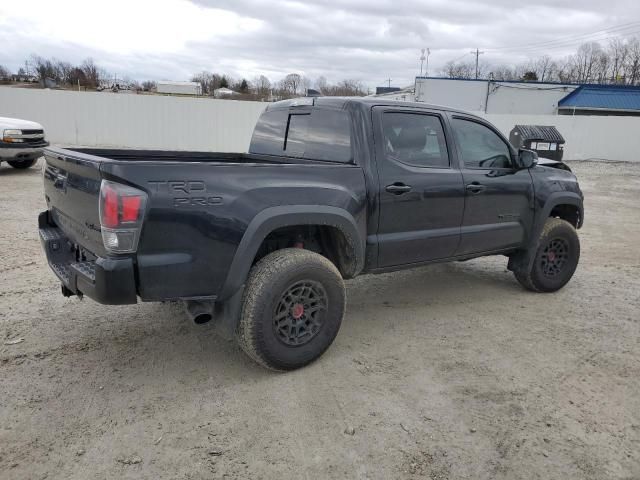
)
(179, 88)
(402, 95)
(223, 92)
(492, 96)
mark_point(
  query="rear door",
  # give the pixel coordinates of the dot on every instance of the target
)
(498, 211)
(421, 191)
(72, 189)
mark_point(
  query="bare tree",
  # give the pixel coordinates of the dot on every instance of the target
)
(459, 70)
(292, 83)
(503, 72)
(305, 85)
(261, 85)
(632, 64)
(206, 80)
(44, 68)
(91, 73)
(5, 74)
(617, 50)
(321, 84)
(585, 61)
(344, 88)
(63, 71)
(149, 85)
(544, 68)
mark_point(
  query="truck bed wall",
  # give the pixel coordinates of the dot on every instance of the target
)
(199, 214)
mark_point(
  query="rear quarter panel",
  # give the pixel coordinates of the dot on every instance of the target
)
(199, 212)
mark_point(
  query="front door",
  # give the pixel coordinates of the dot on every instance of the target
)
(421, 191)
(499, 207)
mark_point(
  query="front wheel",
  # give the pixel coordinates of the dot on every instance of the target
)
(556, 258)
(22, 164)
(292, 309)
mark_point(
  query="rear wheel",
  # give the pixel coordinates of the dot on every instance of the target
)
(556, 258)
(292, 309)
(22, 164)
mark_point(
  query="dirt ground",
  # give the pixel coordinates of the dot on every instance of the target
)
(445, 372)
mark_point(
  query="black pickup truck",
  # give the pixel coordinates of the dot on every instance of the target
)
(331, 188)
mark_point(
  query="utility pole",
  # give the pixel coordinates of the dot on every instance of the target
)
(477, 53)
(424, 57)
(388, 80)
(426, 71)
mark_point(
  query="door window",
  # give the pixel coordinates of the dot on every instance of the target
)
(479, 146)
(415, 139)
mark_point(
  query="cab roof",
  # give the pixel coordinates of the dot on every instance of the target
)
(343, 102)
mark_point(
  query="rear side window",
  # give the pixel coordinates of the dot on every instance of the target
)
(415, 139)
(315, 135)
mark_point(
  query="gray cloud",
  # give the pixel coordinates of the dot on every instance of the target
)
(359, 39)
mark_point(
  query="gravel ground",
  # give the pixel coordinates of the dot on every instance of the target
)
(444, 372)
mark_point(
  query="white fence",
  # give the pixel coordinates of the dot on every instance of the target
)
(174, 123)
(587, 137)
(135, 121)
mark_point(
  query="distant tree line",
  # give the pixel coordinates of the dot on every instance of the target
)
(262, 88)
(617, 62)
(49, 72)
(60, 73)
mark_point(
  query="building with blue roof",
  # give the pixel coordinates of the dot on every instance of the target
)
(601, 100)
(527, 98)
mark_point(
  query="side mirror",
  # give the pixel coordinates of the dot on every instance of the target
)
(527, 158)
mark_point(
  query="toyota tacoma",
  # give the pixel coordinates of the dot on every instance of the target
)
(331, 188)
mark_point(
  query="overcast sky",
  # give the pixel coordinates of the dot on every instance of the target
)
(366, 40)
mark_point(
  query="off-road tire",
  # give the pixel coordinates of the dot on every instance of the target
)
(269, 285)
(534, 278)
(22, 164)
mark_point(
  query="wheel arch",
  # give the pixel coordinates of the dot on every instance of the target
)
(567, 206)
(524, 258)
(274, 218)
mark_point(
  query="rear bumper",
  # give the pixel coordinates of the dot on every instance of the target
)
(106, 280)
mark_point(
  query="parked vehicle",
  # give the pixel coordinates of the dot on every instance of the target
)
(21, 143)
(332, 188)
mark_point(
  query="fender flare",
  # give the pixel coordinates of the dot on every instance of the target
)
(555, 199)
(273, 218)
(526, 258)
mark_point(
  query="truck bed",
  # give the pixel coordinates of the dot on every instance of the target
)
(200, 205)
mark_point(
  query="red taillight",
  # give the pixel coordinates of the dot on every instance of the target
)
(131, 208)
(121, 215)
(110, 207)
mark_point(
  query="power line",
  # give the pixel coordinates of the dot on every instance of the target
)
(567, 46)
(620, 31)
(573, 39)
(581, 42)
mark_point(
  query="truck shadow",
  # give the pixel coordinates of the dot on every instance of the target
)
(156, 343)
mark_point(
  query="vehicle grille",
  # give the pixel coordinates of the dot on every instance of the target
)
(32, 136)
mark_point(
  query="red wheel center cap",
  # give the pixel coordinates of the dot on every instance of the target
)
(551, 256)
(297, 311)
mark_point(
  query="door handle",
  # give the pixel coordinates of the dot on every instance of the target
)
(398, 188)
(476, 188)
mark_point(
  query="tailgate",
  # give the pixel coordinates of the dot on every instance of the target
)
(72, 189)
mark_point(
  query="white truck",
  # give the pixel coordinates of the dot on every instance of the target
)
(21, 142)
